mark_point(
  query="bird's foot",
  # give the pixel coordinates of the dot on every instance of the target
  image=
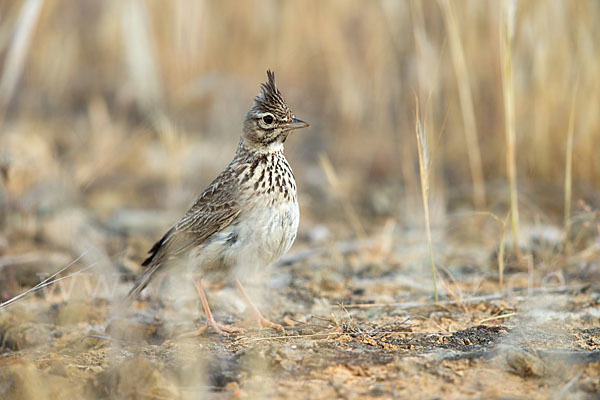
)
(263, 322)
(221, 329)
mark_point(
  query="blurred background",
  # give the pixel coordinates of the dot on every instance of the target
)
(116, 114)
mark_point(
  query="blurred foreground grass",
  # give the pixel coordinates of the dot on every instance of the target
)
(115, 114)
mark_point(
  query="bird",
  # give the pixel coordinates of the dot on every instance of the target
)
(247, 217)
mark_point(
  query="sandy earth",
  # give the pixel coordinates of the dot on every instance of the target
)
(115, 115)
(359, 324)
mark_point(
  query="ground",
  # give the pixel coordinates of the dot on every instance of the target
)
(359, 323)
(114, 115)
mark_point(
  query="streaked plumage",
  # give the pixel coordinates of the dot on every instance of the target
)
(248, 216)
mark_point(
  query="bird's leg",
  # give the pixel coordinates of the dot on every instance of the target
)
(262, 321)
(210, 321)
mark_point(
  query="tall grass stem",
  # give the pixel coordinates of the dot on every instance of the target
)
(424, 168)
(507, 27)
(569, 169)
(466, 104)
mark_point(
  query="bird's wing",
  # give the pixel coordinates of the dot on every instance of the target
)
(213, 211)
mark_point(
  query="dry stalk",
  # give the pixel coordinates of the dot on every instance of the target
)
(501, 256)
(507, 24)
(495, 317)
(466, 105)
(139, 54)
(569, 170)
(424, 164)
(49, 281)
(457, 298)
(17, 52)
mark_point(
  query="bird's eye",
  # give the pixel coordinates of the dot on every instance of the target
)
(268, 119)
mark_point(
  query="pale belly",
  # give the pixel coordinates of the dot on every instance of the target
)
(254, 241)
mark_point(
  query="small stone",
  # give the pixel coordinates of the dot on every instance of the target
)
(378, 389)
(24, 381)
(130, 331)
(524, 364)
(26, 335)
(137, 375)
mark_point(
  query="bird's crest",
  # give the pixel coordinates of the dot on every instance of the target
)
(271, 100)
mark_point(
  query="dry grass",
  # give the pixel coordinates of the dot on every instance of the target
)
(350, 68)
(425, 163)
(114, 115)
(569, 170)
(466, 104)
(507, 32)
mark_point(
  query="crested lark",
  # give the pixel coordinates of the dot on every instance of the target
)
(248, 216)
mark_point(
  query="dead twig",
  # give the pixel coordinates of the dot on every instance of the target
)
(48, 281)
(476, 299)
(337, 333)
(497, 317)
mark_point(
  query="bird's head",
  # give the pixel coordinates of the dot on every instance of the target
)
(270, 120)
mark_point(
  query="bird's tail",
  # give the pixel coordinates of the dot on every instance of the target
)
(152, 263)
(140, 284)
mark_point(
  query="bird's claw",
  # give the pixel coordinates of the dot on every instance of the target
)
(221, 329)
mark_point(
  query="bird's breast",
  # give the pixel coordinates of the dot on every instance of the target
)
(267, 178)
(268, 221)
(270, 213)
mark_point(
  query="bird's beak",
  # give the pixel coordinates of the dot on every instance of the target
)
(295, 124)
